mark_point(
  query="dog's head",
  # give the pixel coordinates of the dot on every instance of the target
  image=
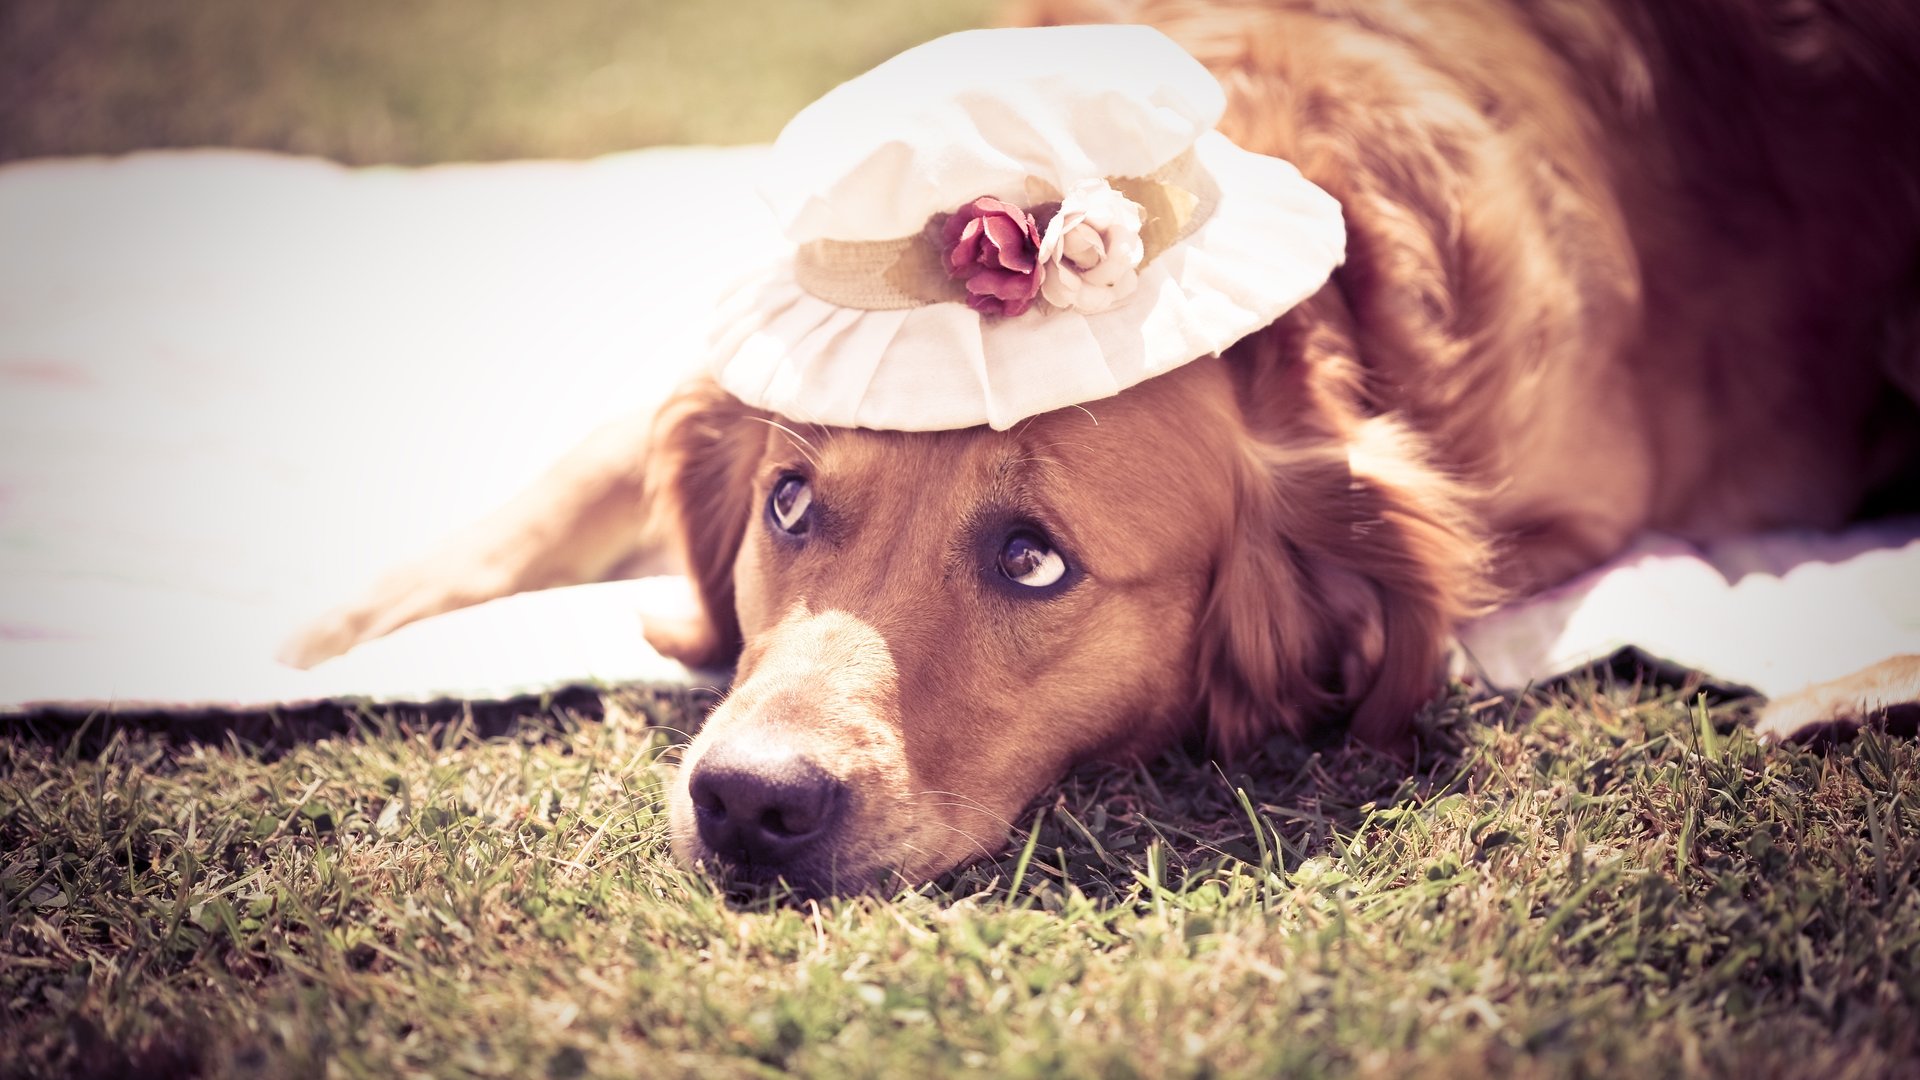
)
(932, 627)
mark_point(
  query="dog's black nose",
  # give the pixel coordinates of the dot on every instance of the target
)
(763, 809)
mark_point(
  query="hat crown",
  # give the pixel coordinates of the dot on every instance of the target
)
(983, 113)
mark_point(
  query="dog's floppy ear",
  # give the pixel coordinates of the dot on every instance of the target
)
(1348, 563)
(1343, 577)
(699, 485)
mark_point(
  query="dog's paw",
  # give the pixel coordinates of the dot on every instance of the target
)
(686, 635)
(403, 596)
(1887, 691)
(322, 639)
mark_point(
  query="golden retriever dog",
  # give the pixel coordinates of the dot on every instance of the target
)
(1612, 266)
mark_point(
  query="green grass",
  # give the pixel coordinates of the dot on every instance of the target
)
(1597, 881)
(415, 81)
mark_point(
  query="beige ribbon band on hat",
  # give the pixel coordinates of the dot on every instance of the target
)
(910, 271)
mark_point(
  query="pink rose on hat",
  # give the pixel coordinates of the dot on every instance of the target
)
(1090, 255)
(993, 247)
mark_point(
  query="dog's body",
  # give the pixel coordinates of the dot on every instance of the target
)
(1611, 267)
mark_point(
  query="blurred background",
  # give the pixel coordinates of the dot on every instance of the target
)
(419, 81)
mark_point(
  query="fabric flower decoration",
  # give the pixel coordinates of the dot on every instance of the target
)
(992, 247)
(1090, 255)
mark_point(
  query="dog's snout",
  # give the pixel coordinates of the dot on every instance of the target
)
(763, 810)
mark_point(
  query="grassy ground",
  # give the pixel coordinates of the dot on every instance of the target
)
(1596, 881)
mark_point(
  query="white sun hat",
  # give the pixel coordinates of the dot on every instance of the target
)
(1000, 223)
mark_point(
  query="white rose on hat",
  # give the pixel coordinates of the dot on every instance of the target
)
(1000, 223)
(1090, 254)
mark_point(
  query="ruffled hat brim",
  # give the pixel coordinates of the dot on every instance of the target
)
(1272, 240)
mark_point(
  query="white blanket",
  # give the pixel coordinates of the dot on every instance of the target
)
(234, 387)
(1774, 613)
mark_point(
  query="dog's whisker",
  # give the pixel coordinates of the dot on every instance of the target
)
(1037, 450)
(800, 442)
(1043, 462)
(966, 806)
(955, 798)
(984, 851)
(944, 793)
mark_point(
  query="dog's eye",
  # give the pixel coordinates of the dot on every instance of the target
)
(790, 505)
(1027, 558)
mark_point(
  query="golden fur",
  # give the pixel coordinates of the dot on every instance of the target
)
(1612, 266)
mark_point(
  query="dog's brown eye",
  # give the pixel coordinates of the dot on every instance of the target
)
(1027, 558)
(790, 504)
